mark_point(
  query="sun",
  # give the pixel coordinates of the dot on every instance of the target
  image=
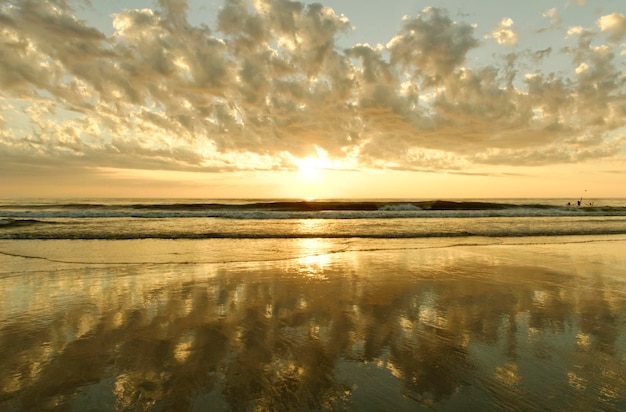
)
(317, 175)
(310, 168)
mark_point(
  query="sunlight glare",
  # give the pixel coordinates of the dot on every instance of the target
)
(311, 167)
(315, 256)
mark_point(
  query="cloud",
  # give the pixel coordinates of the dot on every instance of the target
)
(556, 21)
(615, 25)
(175, 12)
(269, 83)
(432, 43)
(553, 15)
(503, 33)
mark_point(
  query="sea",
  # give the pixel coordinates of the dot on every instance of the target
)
(293, 219)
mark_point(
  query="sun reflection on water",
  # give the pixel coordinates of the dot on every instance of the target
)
(314, 253)
(314, 259)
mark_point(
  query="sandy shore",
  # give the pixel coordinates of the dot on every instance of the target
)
(513, 324)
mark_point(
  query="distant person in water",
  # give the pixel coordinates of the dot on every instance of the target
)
(579, 202)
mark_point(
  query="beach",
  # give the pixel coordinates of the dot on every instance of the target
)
(515, 323)
(293, 206)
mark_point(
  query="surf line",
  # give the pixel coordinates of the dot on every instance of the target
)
(69, 262)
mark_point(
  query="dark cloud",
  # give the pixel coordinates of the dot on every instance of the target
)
(433, 44)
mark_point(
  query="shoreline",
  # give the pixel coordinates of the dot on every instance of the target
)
(229, 250)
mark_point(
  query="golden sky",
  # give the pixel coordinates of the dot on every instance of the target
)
(279, 98)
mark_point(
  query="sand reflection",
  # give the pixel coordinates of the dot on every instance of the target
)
(399, 330)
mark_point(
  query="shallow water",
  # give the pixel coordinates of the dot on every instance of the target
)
(325, 324)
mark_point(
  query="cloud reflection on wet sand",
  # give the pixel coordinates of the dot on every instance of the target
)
(396, 329)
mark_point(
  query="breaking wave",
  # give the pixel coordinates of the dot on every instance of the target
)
(302, 210)
(302, 219)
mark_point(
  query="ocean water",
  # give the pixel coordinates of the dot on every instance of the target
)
(250, 305)
(254, 219)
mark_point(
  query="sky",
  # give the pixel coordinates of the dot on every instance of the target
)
(294, 99)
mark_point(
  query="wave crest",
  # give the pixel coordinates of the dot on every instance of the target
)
(400, 207)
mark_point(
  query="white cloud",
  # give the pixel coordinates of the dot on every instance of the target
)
(582, 67)
(503, 33)
(615, 25)
(575, 30)
(553, 15)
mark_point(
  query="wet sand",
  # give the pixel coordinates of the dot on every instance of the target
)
(310, 324)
